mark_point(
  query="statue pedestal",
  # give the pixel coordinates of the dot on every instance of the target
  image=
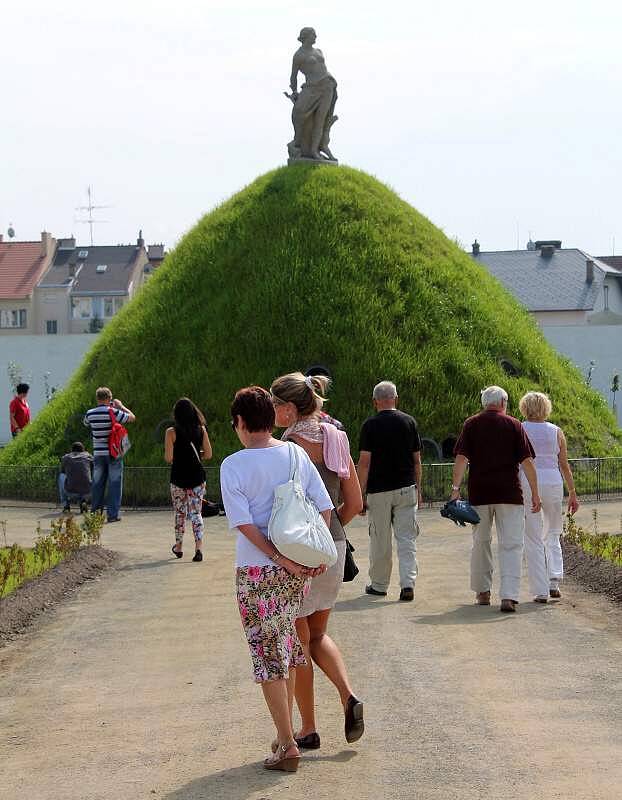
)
(304, 160)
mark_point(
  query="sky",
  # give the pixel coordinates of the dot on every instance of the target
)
(495, 120)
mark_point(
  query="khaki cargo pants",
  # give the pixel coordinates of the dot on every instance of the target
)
(393, 512)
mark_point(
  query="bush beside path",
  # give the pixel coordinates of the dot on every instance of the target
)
(139, 685)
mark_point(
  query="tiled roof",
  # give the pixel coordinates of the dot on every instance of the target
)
(612, 261)
(119, 261)
(557, 283)
(21, 265)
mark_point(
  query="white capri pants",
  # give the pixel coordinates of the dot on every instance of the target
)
(543, 549)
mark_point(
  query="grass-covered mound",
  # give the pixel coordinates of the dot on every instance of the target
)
(317, 265)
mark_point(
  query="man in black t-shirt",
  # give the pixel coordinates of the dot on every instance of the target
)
(389, 471)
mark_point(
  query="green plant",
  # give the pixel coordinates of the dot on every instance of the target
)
(45, 551)
(600, 545)
(92, 525)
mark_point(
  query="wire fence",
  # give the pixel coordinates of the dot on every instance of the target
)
(148, 487)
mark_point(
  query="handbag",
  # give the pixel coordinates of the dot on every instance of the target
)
(350, 570)
(296, 527)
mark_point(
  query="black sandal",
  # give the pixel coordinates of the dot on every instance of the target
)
(178, 553)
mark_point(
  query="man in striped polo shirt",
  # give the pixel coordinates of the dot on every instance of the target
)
(105, 468)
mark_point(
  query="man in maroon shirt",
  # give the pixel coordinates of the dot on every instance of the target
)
(494, 445)
(19, 410)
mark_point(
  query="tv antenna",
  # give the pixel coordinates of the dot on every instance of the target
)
(90, 207)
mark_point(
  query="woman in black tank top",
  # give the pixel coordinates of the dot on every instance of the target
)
(186, 444)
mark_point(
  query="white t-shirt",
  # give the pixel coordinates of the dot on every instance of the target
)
(248, 479)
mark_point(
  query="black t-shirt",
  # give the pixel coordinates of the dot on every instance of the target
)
(391, 437)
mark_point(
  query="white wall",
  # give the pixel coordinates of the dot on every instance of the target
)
(36, 355)
(584, 343)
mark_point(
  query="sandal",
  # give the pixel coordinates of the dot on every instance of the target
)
(178, 553)
(279, 760)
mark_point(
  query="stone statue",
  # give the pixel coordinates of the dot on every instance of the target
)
(314, 106)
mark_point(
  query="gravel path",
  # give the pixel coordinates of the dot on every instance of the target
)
(138, 686)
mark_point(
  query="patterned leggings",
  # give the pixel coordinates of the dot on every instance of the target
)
(187, 504)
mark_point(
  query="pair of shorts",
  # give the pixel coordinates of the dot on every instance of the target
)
(269, 600)
(325, 587)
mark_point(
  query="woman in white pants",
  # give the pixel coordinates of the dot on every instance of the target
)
(543, 551)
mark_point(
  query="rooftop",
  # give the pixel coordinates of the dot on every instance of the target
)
(21, 266)
(554, 279)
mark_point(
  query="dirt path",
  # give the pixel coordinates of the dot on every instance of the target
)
(139, 687)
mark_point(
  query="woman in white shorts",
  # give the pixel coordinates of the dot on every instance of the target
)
(543, 550)
(297, 402)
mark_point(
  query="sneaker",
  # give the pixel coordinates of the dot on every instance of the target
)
(66, 509)
(113, 519)
(541, 598)
(508, 606)
(83, 507)
(198, 556)
(555, 593)
(407, 594)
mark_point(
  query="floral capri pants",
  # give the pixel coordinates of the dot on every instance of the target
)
(187, 505)
(269, 599)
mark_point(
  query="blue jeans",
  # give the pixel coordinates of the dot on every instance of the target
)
(65, 496)
(110, 470)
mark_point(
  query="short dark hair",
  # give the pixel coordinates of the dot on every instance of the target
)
(77, 447)
(21, 388)
(254, 405)
(318, 369)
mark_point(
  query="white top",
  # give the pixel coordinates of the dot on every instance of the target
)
(247, 482)
(543, 437)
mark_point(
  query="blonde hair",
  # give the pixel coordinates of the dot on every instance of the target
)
(307, 394)
(535, 405)
(103, 393)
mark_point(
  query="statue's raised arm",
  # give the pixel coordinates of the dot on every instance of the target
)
(314, 106)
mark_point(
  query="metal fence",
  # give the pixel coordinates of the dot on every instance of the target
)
(149, 486)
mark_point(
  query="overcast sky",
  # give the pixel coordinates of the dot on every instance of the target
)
(493, 119)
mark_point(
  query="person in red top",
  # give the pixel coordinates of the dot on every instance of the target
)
(493, 445)
(19, 410)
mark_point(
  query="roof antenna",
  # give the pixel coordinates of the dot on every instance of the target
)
(90, 220)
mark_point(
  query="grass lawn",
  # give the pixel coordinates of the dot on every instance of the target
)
(312, 265)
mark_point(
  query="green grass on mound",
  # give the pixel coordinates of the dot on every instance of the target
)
(317, 265)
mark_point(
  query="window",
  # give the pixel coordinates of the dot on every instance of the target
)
(81, 308)
(51, 326)
(111, 306)
(606, 297)
(13, 318)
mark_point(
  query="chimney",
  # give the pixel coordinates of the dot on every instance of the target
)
(589, 271)
(475, 247)
(547, 250)
(46, 244)
(140, 242)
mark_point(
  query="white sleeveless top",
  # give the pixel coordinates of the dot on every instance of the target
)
(543, 437)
